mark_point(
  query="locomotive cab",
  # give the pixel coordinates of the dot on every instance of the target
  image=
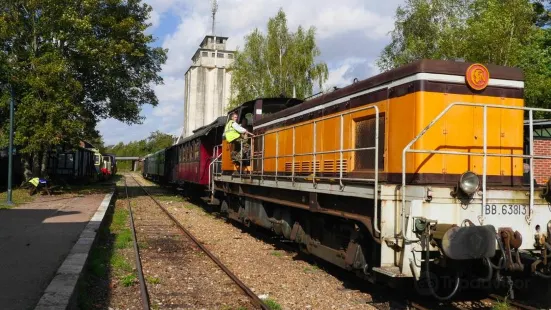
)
(247, 114)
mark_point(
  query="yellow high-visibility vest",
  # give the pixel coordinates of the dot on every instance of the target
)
(34, 181)
(230, 133)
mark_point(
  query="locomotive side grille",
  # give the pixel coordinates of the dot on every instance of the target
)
(365, 137)
(305, 166)
(288, 166)
(328, 165)
(344, 165)
(317, 167)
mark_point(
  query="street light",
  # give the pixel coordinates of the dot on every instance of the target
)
(9, 201)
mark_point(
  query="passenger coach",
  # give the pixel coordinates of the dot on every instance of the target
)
(188, 163)
(425, 160)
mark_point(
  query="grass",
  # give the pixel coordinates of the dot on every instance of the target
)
(230, 308)
(123, 239)
(128, 280)
(120, 219)
(19, 196)
(313, 268)
(501, 305)
(153, 280)
(173, 198)
(120, 264)
(277, 253)
(272, 304)
(101, 259)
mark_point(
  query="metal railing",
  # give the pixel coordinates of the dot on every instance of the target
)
(315, 154)
(214, 167)
(484, 154)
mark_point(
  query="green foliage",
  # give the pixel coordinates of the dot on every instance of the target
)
(123, 239)
(153, 280)
(129, 280)
(272, 304)
(72, 63)
(278, 63)
(501, 32)
(501, 304)
(155, 142)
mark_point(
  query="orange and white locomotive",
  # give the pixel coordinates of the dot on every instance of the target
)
(412, 171)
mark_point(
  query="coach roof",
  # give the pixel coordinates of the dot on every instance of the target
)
(204, 130)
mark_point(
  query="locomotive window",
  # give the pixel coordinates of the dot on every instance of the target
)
(365, 137)
(249, 118)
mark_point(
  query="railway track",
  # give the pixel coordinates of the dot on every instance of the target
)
(152, 228)
(490, 302)
(408, 302)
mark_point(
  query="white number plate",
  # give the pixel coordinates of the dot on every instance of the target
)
(506, 209)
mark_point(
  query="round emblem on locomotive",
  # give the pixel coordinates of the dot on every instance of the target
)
(477, 76)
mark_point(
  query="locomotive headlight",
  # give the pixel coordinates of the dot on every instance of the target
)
(469, 183)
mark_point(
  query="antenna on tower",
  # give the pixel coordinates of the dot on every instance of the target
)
(214, 10)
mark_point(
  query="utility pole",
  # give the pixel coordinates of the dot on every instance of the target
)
(9, 201)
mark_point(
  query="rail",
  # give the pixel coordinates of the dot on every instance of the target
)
(143, 289)
(484, 154)
(316, 153)
(254, 298)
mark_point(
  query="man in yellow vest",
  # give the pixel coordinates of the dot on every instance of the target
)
(38, 184)
(237, 135)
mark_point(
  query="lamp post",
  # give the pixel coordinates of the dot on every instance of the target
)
(9, 201)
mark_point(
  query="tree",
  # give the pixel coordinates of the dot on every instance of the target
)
(501, 32)
(432, 29)
(72, 63)
(156, 141)
(543, 13)
(278, 63)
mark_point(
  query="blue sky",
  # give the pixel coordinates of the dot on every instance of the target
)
(350, 35)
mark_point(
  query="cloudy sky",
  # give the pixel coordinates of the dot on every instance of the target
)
(350, 35)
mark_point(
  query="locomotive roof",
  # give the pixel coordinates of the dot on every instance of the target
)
(444, 67)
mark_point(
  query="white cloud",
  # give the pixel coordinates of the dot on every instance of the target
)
(154, 19)
(350, 34)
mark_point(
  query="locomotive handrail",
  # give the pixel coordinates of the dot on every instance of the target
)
(212, 168)
(315, 153)
(484, 153)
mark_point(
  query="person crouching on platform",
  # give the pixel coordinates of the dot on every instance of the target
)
(237, 135)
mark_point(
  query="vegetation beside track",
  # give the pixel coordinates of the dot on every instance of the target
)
(110, 264)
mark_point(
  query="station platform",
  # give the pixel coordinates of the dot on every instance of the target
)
(36, 238)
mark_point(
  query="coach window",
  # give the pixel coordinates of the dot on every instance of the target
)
(61, 161)
(70, 161)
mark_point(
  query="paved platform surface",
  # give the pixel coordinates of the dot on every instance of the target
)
(35, 238)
